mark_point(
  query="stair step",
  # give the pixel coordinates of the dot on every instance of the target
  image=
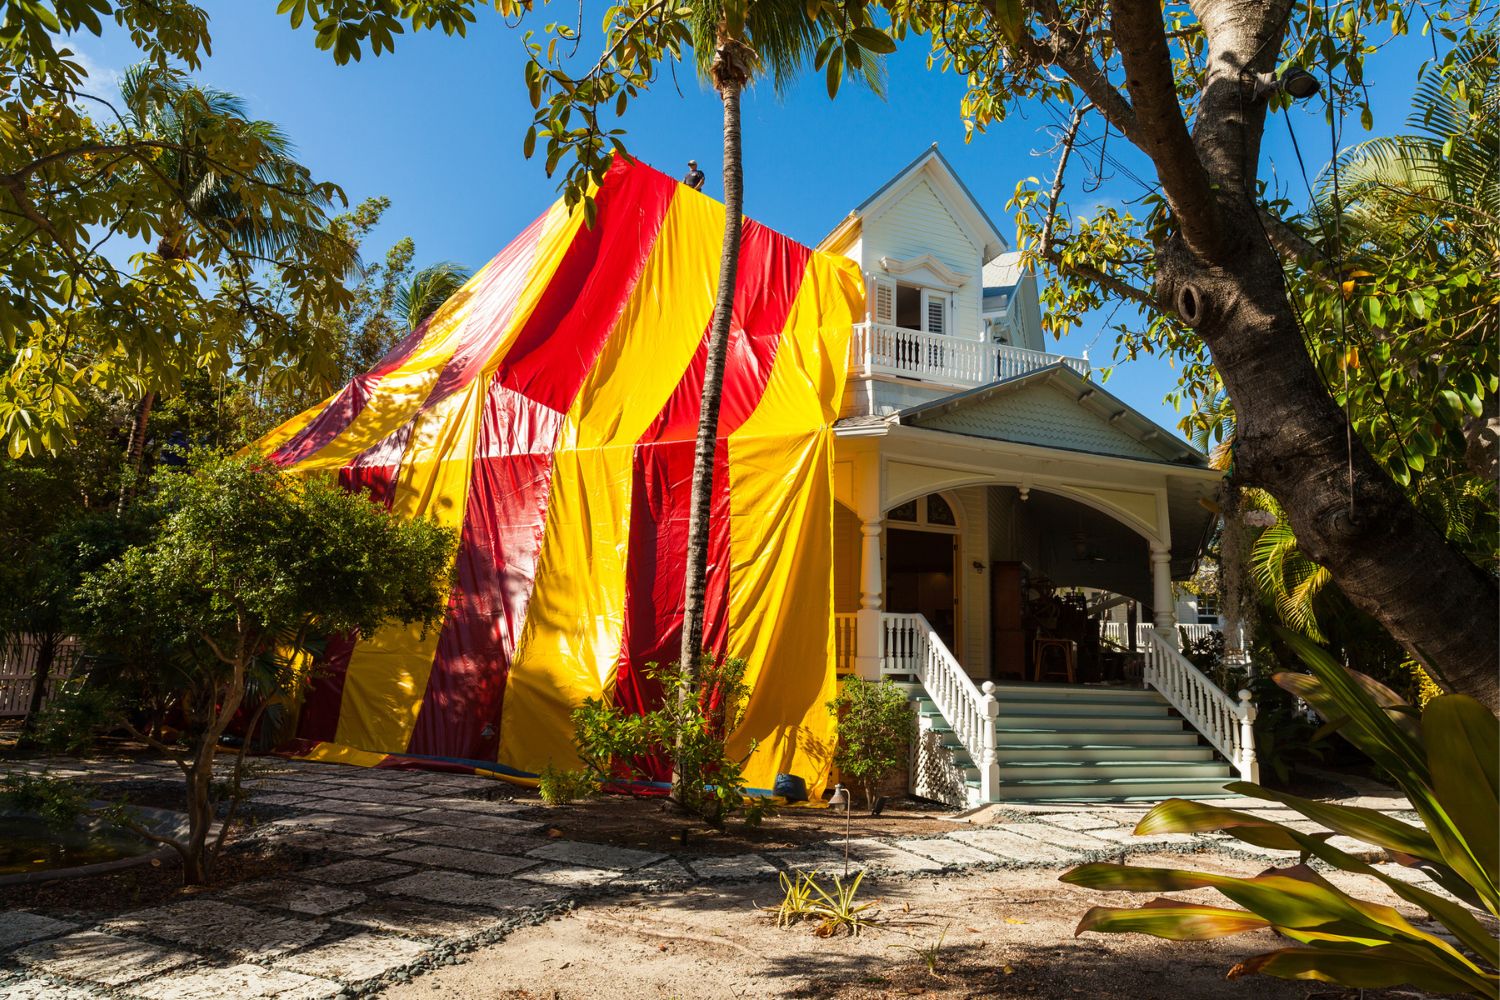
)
(1134, 708)
(1091, 789)
(1084, 738)
(1069, 753)
(1062, 723)
(1072, 692)
(1173, 770)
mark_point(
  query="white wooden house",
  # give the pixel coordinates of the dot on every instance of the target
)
(974, 471)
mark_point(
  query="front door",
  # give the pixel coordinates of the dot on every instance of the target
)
(921, 568)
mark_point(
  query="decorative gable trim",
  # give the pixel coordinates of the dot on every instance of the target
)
(1053, 407)
(950, 189)
(944, 274)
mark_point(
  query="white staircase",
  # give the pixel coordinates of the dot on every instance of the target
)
(1069, 742)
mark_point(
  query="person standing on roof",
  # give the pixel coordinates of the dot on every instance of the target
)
(694, 178)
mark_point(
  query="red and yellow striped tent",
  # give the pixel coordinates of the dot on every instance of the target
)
(548, 411)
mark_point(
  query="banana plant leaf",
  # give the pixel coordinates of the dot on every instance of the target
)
(1171, 919)
(1463, 753)
(1368, 825)
(1178, 815)
(1293, 899)
(1367, 968)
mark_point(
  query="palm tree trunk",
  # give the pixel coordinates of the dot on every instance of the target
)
(135, 449)
(708, 413)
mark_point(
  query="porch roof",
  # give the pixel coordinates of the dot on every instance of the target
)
(1054, 407)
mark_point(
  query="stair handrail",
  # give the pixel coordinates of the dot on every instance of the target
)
(1227, 723)
(909, 644)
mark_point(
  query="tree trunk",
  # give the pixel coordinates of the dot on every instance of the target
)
(135, 450)
(708, 413)
(46, 655)
(1294, 441)
(1220, 274)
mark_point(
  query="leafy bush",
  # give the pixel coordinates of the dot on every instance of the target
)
(58, 802)
(876, 726)
(1448, 765)
(699, 710)
(559, 787)
(207, 621)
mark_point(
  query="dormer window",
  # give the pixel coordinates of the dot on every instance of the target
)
(910, 306)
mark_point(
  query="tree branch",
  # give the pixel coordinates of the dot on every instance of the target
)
(1161, 131)
(1069, 135)
(1119, 286)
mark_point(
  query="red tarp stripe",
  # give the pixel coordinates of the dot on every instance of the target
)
(535, 385)
(494, 303)
(770, 273)
(346, 406)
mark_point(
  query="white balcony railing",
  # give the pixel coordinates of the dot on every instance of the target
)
(1118, 633)
(876, 349)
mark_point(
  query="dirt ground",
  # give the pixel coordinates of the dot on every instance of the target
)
(647, 824)
(1004, 934)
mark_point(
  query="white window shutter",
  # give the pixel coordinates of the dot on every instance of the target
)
(884, 304)
(935, 312)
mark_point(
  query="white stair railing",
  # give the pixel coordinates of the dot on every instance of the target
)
(910, 646)
(1226, 723)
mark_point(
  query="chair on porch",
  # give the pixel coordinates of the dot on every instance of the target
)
(1051, 655)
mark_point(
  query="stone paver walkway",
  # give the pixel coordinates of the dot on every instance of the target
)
(427, 869)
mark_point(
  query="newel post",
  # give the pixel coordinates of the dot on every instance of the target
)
(1249, 766)
(989, 764)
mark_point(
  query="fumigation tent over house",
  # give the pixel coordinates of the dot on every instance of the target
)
(548, 412)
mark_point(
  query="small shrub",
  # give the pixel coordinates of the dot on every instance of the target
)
(798, 900)
(876, 727)
(804, 899)
(698, 712)
(58, 802)
(559, 787)
(839, 908)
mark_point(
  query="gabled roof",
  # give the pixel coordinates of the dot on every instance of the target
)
(1054, 407)
(1003, 273)
(940, 172)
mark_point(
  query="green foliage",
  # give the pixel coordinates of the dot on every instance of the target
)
(57, 801)
(559, 787)
(840, 909)
(422, 294)
(876, 727)
(1447, 763)
(929, 955)
(79, 711)
(247, 569)
(698, 713)
(231, 265)
(803, 898)
(798, 899)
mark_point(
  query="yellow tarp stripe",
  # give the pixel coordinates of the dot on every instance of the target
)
(570, 644)
(781, 535)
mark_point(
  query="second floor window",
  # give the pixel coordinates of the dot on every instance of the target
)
(910, 307)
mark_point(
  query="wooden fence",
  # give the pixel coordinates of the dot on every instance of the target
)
(18, 671)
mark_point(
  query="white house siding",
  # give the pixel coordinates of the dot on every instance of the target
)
(974, 588)
(917, 223)
(846, 543)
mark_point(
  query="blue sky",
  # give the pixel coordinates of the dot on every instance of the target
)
(438, 125)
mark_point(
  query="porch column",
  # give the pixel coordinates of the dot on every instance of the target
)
(867, 620)
(1164, 613)
(869, 507)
